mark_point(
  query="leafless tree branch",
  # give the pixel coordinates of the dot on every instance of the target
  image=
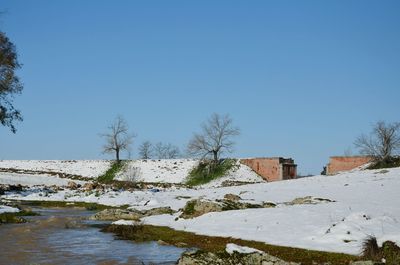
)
(166, 151)
(146, 150)
(215, 138)
(382, 143)
(117, 138)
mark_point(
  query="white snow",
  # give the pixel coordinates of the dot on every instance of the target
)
(124, 222)
(33, 180)
(366, 204)
(230, 248)
(84, 168)
(163, 170)
(8, 209)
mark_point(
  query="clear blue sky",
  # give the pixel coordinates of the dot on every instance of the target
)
(300, 78)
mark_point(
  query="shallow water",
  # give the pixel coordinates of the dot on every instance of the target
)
(45, 240)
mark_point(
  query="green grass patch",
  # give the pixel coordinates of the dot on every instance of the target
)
(108, 177)
(189, 208)
(7, 218)
(143, 233)
(207, 171)
(388, 163)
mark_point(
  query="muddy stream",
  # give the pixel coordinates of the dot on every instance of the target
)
(46, 240)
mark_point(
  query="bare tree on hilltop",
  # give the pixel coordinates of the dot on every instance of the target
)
(214, 139)
(166, 151)
(146, 150)
(382, 143)
(117, 138)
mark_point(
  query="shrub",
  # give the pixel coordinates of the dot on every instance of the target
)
(208, 170)
(130, 173)
(387, 163)
(370, 249)
(389, 251)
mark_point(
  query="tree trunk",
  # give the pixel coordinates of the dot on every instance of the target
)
(117, 155)
(215, 153)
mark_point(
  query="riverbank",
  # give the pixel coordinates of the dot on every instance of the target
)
(144, 233)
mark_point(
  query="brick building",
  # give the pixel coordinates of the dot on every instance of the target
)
(272, 169)
(345, 163)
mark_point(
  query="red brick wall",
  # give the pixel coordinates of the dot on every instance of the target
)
(289, 171)
(268, 168)
(345, 163)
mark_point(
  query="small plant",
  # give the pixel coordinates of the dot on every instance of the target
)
(131, 173)
(208, 170)
(108, 177)
(370, 249)
(189, 208)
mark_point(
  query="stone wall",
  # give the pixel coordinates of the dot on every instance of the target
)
(272, 169)
(345, 163)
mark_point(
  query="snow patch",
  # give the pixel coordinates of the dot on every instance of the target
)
(124, 222)
(8, 209)
(230, 248)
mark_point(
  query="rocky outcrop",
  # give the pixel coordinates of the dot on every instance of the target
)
(224, 258)
(198, 207)
(308, 200)
(89, 186)
(10, 187)
(135, 215)
(72, 185)
(232, 197)
(115, 214)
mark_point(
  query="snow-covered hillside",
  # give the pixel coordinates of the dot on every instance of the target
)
(363, 203)
(84, 168)
(156, 171)
(34, 180)
(163, 170)
(177, 171)
(344, 209)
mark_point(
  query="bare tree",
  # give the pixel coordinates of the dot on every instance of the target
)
(117, 138)
(215, 138)
(382, 143)
(172, 151)
(146, 150)
(166, 151)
